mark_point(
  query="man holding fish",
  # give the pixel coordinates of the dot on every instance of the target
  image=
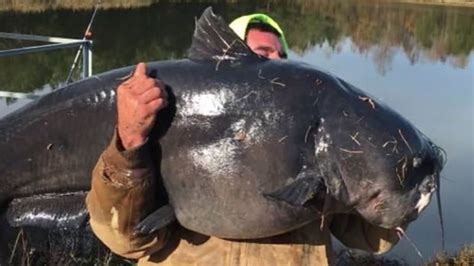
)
(123, 189)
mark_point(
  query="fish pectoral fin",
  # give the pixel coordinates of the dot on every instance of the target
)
(156, 220)
(298, 192)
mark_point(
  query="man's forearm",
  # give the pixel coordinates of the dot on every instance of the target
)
(122, 194)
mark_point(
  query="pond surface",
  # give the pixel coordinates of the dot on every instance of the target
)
(416, 58)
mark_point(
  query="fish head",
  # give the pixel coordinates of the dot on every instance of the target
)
(373, 160)
(393, 200)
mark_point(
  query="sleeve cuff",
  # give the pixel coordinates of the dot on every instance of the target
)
(126, 167)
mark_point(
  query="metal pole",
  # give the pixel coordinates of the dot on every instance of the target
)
(40, 48)
(89, 52)
(18, 95)
(86, 60)
(78, 53)
(30, 37)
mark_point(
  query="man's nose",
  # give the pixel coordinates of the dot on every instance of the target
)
(273, 55)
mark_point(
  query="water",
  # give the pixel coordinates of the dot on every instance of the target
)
(416, 58)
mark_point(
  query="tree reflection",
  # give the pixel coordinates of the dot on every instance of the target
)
(124, 35)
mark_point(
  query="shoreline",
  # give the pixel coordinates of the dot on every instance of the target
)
(447, 3)
(22, 7)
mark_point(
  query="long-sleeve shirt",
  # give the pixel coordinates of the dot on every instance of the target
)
(123, 193)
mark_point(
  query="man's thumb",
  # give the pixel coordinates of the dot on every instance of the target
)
(140, 70)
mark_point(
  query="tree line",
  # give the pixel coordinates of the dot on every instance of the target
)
(150, 31)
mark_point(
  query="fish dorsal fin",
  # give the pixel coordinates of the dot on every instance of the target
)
(214, 40)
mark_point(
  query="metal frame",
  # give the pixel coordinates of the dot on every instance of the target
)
(55, 43)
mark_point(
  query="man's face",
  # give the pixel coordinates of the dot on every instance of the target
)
(264, 43)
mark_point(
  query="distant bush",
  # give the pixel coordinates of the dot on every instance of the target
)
(462, 257)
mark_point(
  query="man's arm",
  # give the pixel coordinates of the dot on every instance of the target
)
(122, 194)
(123, 181)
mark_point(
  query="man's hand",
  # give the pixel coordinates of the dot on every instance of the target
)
(138, 100)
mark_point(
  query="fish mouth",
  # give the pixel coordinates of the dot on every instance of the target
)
(413, 199)
(427, 189)
(392, 209)
(425, 199)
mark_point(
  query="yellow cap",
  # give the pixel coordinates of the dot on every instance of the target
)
(240, 24)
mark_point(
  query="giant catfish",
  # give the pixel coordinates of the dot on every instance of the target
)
(243, 148)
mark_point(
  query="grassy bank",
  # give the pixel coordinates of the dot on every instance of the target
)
(40, 6)
(462, 257)
(466, 3)
(37, 246)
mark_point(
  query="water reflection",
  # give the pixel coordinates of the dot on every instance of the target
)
(163, 31)
(417, 59)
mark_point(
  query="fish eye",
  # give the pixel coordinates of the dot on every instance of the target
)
(426, 166)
